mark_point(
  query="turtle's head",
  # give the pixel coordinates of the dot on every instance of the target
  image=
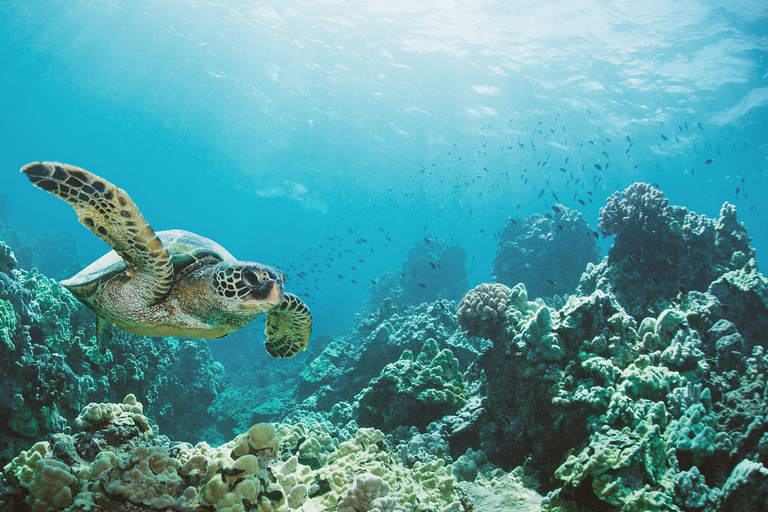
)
(249, 286)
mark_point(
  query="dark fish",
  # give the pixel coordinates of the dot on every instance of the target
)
(339, 276)
(581, 201)
(422, 285)
(555, 196)
(541, 193)
(664, 137)
(598, 167)
(708, 161)
(550, 282)
(560, 227)
(426, 239)
(431, 264)
(557, 210)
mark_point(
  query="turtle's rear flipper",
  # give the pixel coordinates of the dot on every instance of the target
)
(289, 326)
(110, 213)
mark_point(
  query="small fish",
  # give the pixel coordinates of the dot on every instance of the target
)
(581, 201)
(550, 282)
(598, 167)
(664, 137)
(432, 264)
(422, 285)
(708, 161)
(426, 239)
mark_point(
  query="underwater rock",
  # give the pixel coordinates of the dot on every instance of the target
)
(7, 259)
(546, 253)
(743, 294)
(434, 269)
(747, 488)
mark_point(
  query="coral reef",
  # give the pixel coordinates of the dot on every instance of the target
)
(546, 252)
(352, 361)
(645, 390)
(661, 251)
(413, 391)
(116, 464)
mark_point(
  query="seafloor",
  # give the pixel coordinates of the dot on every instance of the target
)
(634, 383)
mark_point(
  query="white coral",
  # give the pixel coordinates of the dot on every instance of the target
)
(369, 494)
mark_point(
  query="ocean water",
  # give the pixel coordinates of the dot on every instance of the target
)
(289, 131)
(336, 139)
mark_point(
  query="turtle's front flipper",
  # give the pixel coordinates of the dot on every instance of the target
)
(112, 216)
(289, 326)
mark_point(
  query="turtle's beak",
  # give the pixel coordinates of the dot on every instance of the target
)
(271, 293)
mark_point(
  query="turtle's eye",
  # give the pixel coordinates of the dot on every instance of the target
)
(253, 278)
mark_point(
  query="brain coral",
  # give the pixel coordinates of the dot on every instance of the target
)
(483, 311)
(493, 310)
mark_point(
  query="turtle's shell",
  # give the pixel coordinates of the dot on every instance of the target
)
(184, 247)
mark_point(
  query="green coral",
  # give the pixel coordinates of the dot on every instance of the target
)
(627, 468)
(695, 434)
(7, 323)
(414, 391)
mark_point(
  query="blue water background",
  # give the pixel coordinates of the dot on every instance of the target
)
(288, 131)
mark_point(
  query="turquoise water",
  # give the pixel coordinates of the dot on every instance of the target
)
(289, 131)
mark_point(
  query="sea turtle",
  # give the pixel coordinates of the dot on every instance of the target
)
(168, 283)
